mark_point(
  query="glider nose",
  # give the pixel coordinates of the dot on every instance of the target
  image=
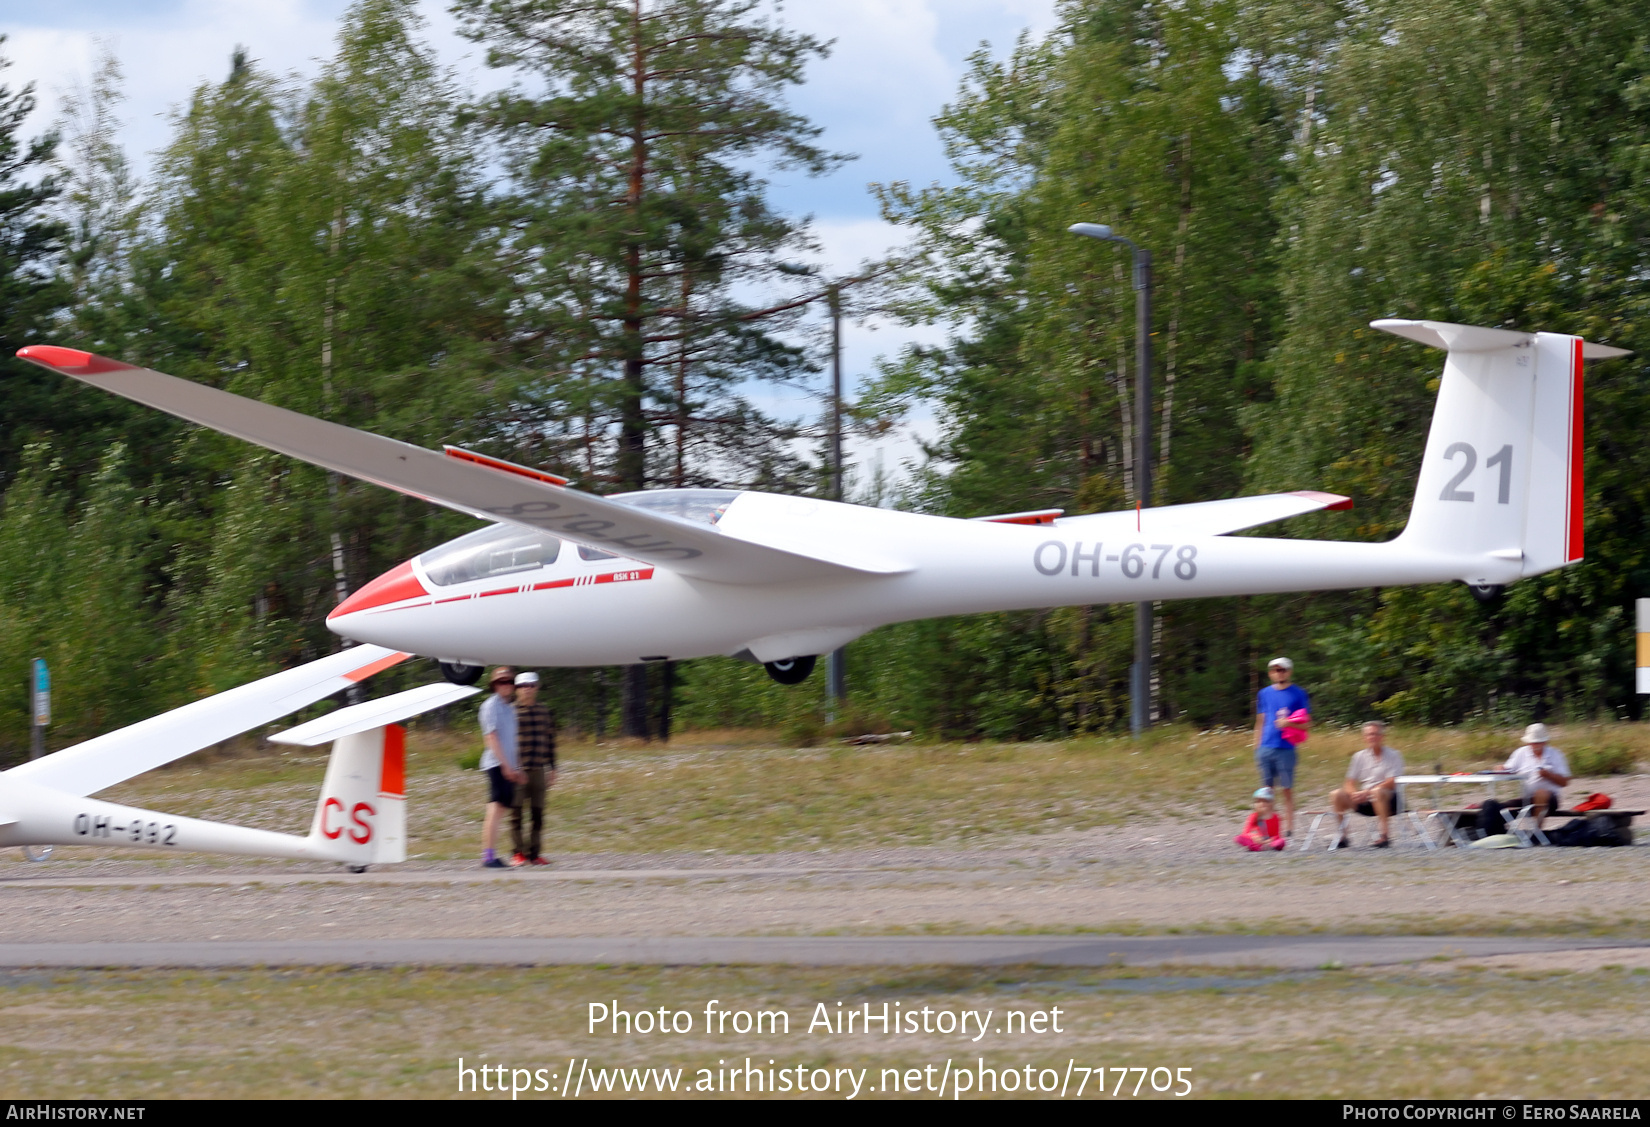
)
(394, 586)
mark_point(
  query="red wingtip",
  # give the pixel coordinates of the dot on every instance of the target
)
(1332, 501)
(70, 361)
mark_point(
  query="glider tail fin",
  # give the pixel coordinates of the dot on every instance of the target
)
(361, 818)
(1501, 479)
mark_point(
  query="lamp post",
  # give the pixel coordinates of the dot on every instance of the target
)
(1140, 673)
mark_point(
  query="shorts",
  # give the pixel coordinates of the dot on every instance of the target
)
(1277, 766)
(500, 789)
(1367, 809)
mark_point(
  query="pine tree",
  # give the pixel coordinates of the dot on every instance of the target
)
(643, 227)
(31, 291)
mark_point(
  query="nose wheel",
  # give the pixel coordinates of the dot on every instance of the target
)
(791, 671)
(459, 673)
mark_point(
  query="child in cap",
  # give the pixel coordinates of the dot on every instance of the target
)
(1262, 831)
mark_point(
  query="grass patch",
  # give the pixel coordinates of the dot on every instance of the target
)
(1241, 1033)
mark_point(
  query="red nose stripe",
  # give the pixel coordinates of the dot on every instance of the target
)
(392, 587)
(71, 360)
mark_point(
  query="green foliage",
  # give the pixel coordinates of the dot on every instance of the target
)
(337, 247)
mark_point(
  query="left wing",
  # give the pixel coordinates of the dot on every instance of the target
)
(1206, 518)
(89, 767)
(483, 487)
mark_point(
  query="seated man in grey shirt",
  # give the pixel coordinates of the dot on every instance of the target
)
(1371, 786)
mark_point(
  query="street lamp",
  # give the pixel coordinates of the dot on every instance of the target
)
(1140, 673)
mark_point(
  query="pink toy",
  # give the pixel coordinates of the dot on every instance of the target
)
(1296, 736)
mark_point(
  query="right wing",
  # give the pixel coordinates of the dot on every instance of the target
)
(1206, 518)
(483, 487)
(89, 767)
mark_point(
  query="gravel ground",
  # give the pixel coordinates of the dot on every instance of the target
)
(1148, 876)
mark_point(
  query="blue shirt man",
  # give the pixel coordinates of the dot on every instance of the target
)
(1274, 755)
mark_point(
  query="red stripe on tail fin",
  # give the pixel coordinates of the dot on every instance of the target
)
(392, 779)
(1575, 546)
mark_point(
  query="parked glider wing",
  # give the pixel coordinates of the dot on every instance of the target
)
(89, 767)
(482, 487)
(1206, 518)
(373, 714)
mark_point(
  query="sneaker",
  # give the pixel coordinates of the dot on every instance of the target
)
(517, 860)
(1381, 844)
(1343, 844)
(495, 863)
(538, 861)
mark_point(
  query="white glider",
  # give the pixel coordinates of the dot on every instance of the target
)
(359, 820)
(683, 573)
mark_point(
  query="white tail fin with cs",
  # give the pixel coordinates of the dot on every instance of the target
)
(362, 816)
(1502, 472)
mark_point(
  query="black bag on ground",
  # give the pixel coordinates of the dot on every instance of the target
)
(1596, 829)
(1574, 832)
(1603, 830)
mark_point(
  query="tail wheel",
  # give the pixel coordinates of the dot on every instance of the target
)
(791, 671)
(1487, 593)
(460, 674)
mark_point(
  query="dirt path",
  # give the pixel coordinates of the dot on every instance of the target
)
(1174, 874)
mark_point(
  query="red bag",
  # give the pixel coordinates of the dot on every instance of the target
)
(1593, 801)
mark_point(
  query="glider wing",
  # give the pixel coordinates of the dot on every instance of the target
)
(1207, 518)
(102, 762)
(483, 487)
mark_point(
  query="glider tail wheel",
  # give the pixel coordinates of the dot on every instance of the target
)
(460, 674)
(791, 671)
(1487, 593)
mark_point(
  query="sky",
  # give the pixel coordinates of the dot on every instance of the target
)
(893, 65)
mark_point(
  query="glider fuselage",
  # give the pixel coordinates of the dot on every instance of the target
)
(577, 611)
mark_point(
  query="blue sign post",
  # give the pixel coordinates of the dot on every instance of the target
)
(40, 682)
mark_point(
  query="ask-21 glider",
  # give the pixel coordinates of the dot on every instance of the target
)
(563, 577)
(566, 578)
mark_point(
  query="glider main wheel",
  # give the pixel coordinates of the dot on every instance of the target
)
(791, 671)
(460, 674)
(37, 853)
(1487, 593)
(356, 868)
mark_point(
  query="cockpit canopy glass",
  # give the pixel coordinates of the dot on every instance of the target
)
(702, 506)
(499, 549)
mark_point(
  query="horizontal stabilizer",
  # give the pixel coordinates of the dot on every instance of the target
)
(373, 714)
(89, 767)
(1206, 518)
(486, 488)
(1476, 338)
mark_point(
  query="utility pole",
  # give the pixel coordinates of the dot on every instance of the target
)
(836, 666)
(1140, 673)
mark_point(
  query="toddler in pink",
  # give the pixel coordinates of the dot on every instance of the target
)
(1261, 831)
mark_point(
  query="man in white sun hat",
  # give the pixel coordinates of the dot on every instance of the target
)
(1544, 770)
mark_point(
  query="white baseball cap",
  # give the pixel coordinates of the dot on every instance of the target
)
(1264, 792)
(1536, 734)
(1283, 661)
(527, 678)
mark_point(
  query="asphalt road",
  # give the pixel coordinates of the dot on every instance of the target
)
(1284, 952)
